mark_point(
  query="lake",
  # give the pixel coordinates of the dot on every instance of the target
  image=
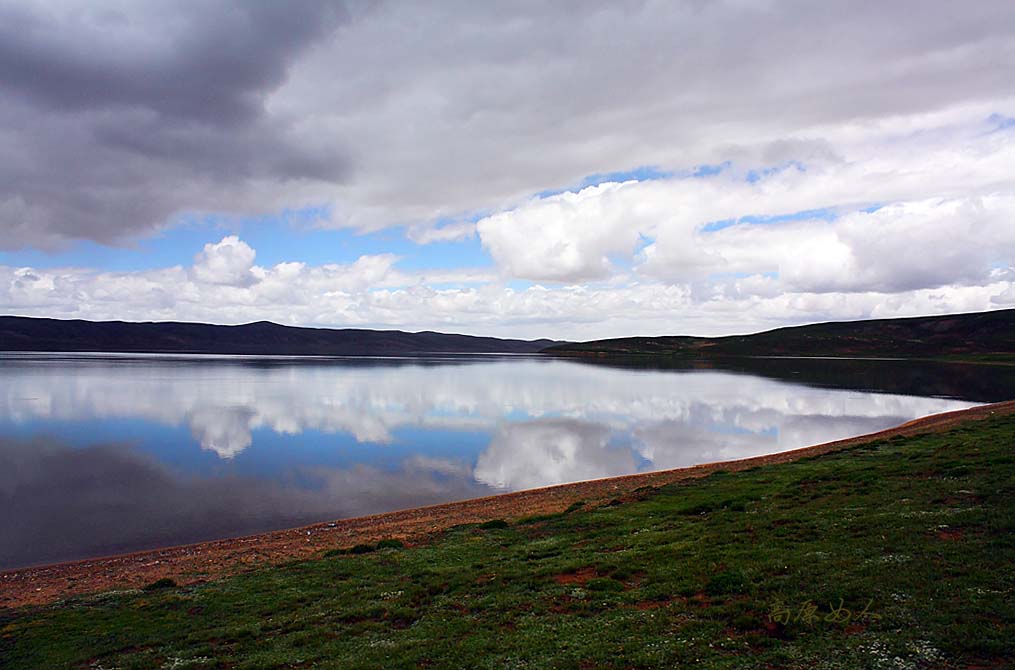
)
(103, 454)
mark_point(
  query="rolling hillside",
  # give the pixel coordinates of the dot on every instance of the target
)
(263, 337)
(957, 335)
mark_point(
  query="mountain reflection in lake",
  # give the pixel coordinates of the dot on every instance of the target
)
(103, 454)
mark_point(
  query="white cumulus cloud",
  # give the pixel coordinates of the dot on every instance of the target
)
(228, 262)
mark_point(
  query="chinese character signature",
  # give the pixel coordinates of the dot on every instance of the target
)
(809, 613)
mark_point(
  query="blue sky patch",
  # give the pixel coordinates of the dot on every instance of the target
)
(276, 239)
(822, 214)
(643, 173)
(1000, 122)
(710, 170)
(754, 176)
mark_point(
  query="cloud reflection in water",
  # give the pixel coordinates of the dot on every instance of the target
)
(540, 422)
(62, 503)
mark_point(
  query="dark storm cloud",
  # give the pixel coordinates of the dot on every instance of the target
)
(211, 62)
(113, 120)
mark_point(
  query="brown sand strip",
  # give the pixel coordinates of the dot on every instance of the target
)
(211, 560)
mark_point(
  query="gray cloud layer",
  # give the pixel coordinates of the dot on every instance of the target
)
(211, 62)
(115, 117)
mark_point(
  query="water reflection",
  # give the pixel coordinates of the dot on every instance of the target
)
(549, 451)
(107, 454)
(61, 503)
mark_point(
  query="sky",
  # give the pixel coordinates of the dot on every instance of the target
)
(572, 170)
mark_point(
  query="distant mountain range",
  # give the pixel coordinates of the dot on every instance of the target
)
(979, 335)
(266, 338)
(984, 335)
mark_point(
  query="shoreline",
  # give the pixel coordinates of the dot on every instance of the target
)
(215, 559)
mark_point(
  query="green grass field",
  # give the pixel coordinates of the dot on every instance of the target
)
(897, 554)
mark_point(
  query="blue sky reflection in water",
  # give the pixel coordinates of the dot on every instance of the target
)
(104, 454)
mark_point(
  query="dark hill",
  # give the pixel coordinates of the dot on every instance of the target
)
(955, 335)
(31, 334)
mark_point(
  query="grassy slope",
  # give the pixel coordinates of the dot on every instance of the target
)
(982, 337)
(921, 528)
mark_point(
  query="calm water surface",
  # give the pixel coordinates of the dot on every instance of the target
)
(103, 453)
